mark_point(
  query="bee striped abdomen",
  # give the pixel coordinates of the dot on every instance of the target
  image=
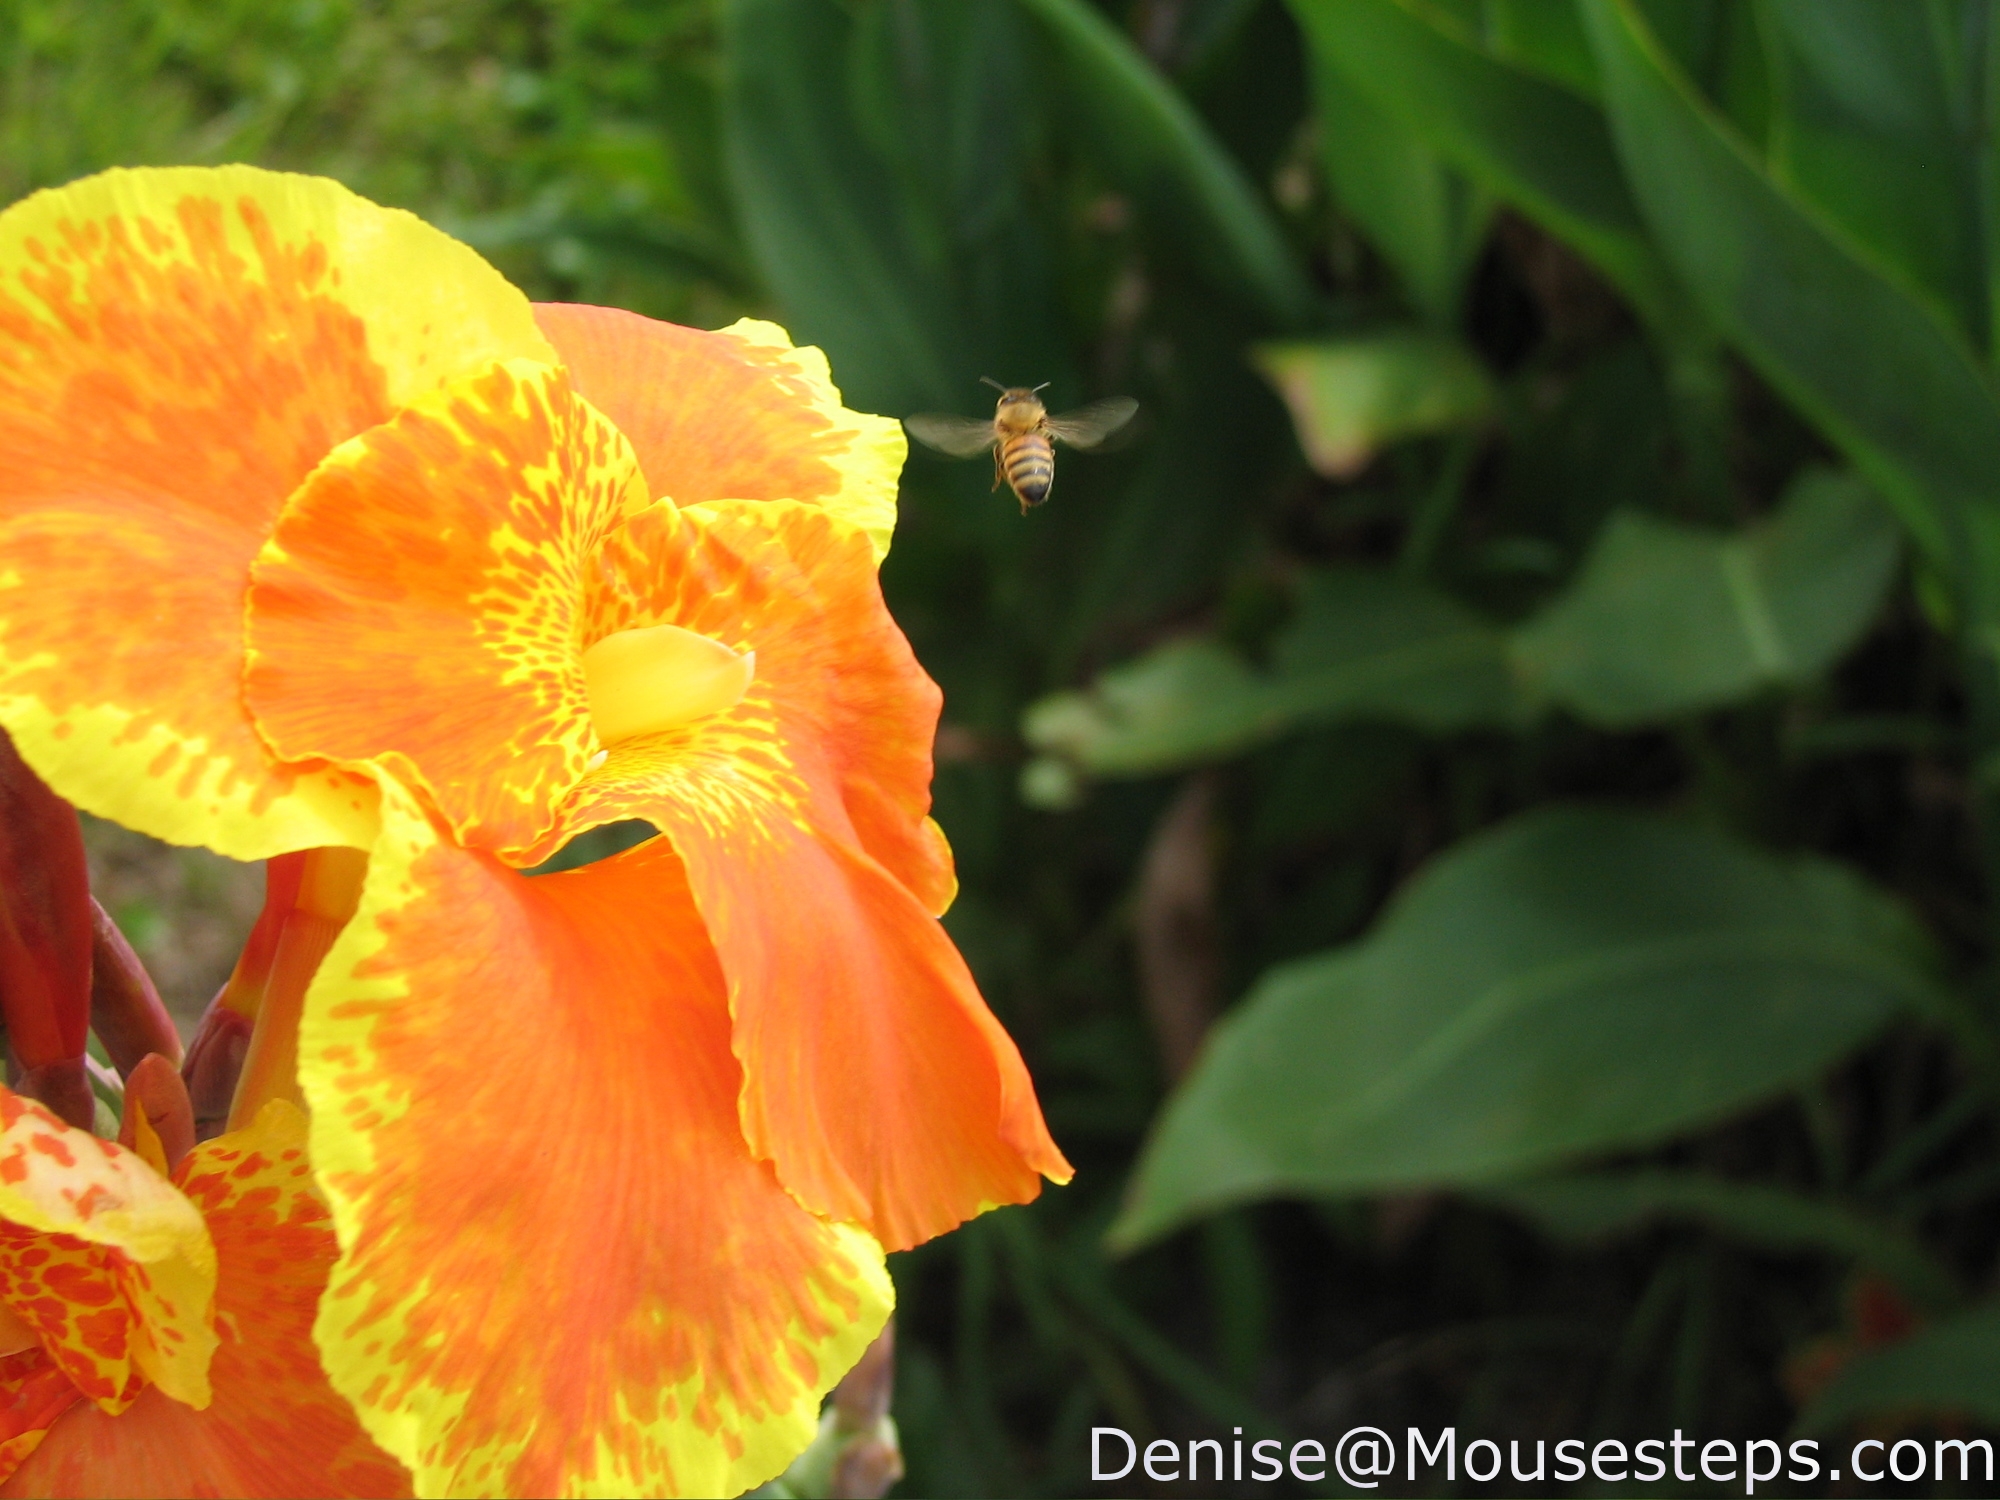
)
(1029, 462)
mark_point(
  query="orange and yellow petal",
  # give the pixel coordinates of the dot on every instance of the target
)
(739, 414)
(876, 1079)
(419, 603)
(275, 1427)
(34, 1393)
(643, 1309)
(104, 1260)
(178, 348)
(838, 698)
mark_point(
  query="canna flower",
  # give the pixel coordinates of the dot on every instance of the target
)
(315, 537)
(156, 1316)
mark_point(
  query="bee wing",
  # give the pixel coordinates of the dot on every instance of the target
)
(1090, 425)
(961, 437)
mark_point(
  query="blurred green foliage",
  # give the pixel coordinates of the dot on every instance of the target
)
(1538, 651)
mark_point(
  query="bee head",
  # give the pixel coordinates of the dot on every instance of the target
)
(1019, 405)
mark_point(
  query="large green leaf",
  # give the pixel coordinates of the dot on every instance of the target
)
(1423, 217)
(1885, 380)
(1950, 1367)
(818, 207)
(879, 160)
(1529, 142)
(1875, 127)
(1593, 1205)
(1573, 982)
(1152, 143)
(1543, 38)
(1667, 619)
(1350, 396)
(1364, 645)
(1663, 620)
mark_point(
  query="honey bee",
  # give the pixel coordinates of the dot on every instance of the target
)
(1021, 435)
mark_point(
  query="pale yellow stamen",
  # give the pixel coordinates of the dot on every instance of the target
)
(660, 677)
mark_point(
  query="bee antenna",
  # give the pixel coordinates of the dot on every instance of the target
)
(989, 380)
(1042, 387)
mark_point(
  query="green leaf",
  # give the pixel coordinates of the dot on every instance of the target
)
(1595, 1205)
(1874, 127)
(1663, 620)
(879, 161)
(1575, 981)
(1423, 217)
(1949, 1367)
(820, 210)
(1894, 388)
(1543, 38)
(1153, 145)
(1364, 644)
(1349, 397)
(1667, 619)
(1188, 701)
(1527, 141)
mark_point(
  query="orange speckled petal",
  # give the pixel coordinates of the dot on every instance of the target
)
(419, 603)
(178, 348)
(876, 1080)
(104, 1259)
(846, 707)
(643, 1309)
(275, 1427)
(735, 415)
(34, 1392)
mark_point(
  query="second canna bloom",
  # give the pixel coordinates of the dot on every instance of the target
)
(316, 536)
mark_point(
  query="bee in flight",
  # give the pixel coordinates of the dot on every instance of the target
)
(1021, 435)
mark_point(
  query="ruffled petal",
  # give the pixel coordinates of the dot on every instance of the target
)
(275, 1427)
(735, 415)
(178, 348)
(643, 1309)
(419, 602)
(34, 1393)
(846, 708)
(876, 1079)
(108, 1264)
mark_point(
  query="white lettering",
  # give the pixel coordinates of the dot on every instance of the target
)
(1726, 1455)
(1447, 1444)
(1259, 1456)
(1640, 1456)
(1810, 1460)
(1574, 1460)
(1131, 1452)
(1750, 1474)
(1964, 1457)
(1854, 1458)
(1896, 1469)
(1472, 1448)
(1599, 1459)
(1194, 1459)
(1299, 1456)
(1514, 1458)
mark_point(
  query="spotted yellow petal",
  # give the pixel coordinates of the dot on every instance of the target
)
(275, 1427)
(419, 604)
(735, 415)
(178, 348)
(104, 1259)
